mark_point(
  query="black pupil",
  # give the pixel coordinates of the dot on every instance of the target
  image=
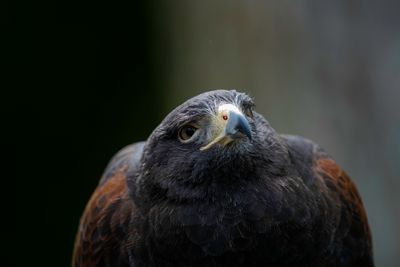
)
(189, 131)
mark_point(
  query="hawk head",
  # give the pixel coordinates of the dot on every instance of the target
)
(213, 138)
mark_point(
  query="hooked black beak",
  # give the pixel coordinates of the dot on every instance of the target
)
(237, 126)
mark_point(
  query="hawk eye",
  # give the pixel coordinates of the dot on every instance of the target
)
(186, 132)
(247, 108)
(249, 112)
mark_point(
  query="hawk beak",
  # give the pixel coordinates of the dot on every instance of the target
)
(236, 127)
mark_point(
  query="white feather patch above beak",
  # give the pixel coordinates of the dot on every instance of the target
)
(227, 108)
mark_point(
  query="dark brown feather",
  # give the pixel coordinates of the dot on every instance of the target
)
(105, 236)
(353, 232)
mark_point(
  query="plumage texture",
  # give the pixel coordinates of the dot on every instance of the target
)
(274, 200)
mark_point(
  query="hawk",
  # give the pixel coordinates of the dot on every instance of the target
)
(216, 185)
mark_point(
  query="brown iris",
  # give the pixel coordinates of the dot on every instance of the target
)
(186, 132)
(249, 112)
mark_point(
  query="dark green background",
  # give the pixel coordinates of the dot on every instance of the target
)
(88, 90)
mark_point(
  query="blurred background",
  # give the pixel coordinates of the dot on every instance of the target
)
(102, 75)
